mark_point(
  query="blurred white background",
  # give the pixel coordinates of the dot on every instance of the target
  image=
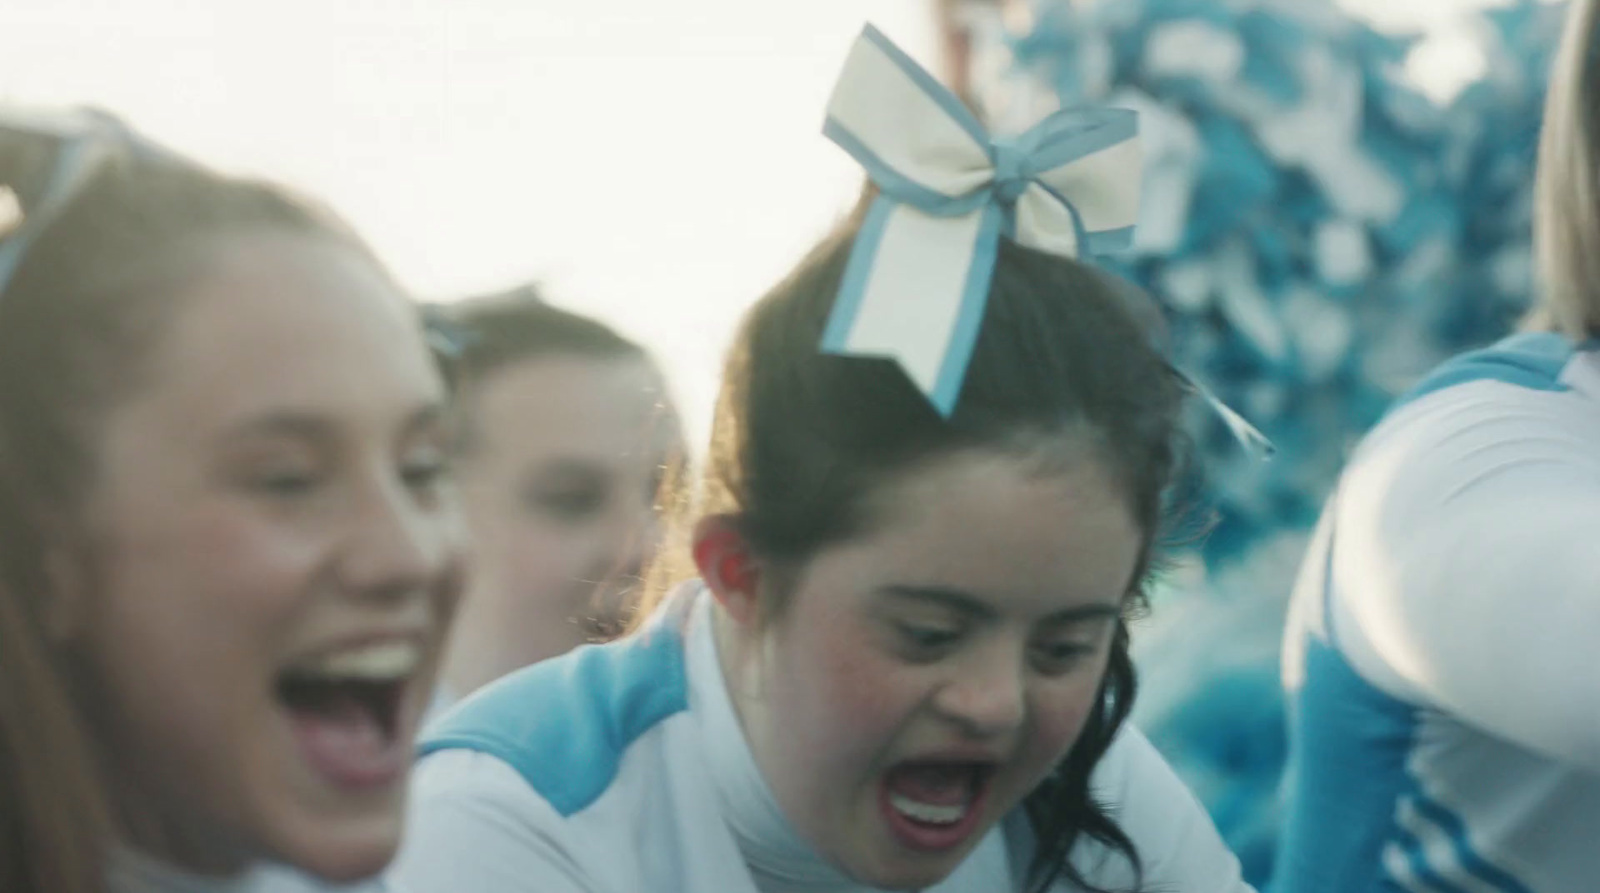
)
(658, 163)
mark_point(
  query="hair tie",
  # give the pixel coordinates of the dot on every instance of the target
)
(85, 138)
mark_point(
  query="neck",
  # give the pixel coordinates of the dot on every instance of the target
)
(164, 831)
(206, 854)
(733, 658)
(133, 871)
(483, 646)
(779, 859)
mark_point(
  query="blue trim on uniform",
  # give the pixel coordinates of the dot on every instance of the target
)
(1532, 360)
(1421, 869)
(566, 723)
(1352, 743)
(1348, 769)
(1474, 863)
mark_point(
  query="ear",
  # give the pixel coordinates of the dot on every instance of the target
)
(727, 566)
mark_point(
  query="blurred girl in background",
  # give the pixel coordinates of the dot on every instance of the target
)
(568, 431)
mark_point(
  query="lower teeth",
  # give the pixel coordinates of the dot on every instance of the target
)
(927, 813)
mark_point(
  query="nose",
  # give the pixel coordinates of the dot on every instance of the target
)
(988, 695)
(397, 546)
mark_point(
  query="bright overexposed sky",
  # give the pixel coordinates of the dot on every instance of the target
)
(658, 163)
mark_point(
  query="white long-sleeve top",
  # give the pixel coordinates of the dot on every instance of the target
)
(622, 768)
(1443, 652)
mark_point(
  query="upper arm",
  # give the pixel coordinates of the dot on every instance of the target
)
(475, 824)
(1179, 848)
(1467, 573)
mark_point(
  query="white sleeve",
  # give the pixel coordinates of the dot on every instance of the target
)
(475, 824)
(1179, 848)
(1467, 568)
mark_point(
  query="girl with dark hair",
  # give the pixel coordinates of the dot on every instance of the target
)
(904, 665)
(228, 545)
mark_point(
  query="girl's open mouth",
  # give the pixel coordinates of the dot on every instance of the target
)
(934, 805)
(345, 709)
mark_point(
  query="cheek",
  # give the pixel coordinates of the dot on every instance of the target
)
(222, 570)
(194, 616)
(857, 696)
(1060, 709)
(521, 550)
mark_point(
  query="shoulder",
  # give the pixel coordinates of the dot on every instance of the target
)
(1497, 446)
(1527, 407)
(1532, 361)
(473, 824)
(1525, 387)
(1178, 846)
(565, 725)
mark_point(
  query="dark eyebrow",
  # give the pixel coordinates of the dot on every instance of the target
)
(970, 605)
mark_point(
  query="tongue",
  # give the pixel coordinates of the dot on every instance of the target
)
(935, 785)
(344, 741)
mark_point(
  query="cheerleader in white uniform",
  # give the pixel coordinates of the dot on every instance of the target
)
(1441, 651)
(935, 485)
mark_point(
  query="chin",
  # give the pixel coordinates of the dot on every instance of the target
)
(355, 851)
(900, 873)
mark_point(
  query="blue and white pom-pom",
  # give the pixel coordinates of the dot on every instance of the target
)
(1321, 232)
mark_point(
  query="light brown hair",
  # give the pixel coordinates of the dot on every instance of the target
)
(1567, 191)
(78, 316)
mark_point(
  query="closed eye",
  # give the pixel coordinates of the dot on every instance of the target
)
(284, 485)
(1059, 658)
(926, 640)
(424, 472)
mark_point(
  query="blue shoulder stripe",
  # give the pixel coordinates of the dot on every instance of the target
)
(1486, 873)
(1532, 360)
(564, 724)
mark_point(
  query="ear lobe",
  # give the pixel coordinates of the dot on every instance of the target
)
(726, 566)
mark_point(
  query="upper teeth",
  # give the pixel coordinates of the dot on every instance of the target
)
(927, 812)
(382, 662)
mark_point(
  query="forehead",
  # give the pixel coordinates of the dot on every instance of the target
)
(1009, 530)
(287, 321)
(602, 407)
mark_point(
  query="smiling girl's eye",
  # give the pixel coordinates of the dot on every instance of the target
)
(285, 483)
(425, 469)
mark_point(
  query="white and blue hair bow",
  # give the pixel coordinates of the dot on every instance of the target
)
(918, 276)
(919, 273)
